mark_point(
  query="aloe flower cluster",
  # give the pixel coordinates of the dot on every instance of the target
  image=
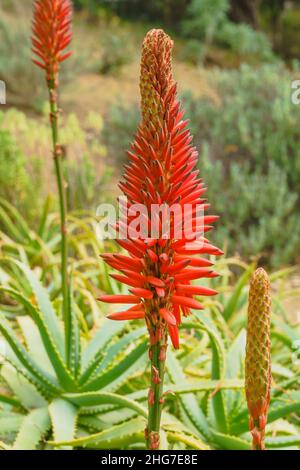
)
(51, 34)
(161, 171)
(258, 359)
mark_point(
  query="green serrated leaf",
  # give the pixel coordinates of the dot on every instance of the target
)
(10, 424)
(188, 401)
(119, 371)
(106, 332)
(230, 307)
(42, 376)
(189, 441)
(44, 304)
(218, 370)
(64, 419)
(282, 441)
(65, 378)
(25, 392)
(103, 398)
(116, 437)
(227, 442)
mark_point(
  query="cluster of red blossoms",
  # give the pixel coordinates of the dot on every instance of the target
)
(51, 34)
(162, 170)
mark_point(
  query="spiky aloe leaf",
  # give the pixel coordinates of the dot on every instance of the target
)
(64, 419)
(73, 338)
(120, 371)
(282, 441)
(26, 393)
(99, 362)
(44, 303)
(277, 410)
(10, 423)
(234, 368)
(106, 332)
(189, 441)
(188, 401)
(116, 437)
(65, 378)
(103, 398)
(217, 371)
(34, 344)
(46, 380)
(228, 442)
(233, 300)
(114, 351)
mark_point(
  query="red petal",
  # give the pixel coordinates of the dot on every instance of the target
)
(174, 335)
(144, 293)
(194, 290)
(155, 281)
(119, 299)
(127, 315)
(186, 301)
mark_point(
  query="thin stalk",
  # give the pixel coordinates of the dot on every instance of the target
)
(157, 355)
(57, 154)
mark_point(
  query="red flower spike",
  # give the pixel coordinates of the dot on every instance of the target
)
(162, 170)
(52, 34)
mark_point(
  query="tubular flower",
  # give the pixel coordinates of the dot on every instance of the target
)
(162, 171)
(258, 359)
(51, 34)
(160, 267)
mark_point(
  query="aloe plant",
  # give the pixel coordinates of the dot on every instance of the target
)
(48, 394)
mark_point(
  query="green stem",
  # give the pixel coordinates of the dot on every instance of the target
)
(155, 399)
(57, 153)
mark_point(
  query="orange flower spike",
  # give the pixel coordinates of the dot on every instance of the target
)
(258, 359)
(51, 34)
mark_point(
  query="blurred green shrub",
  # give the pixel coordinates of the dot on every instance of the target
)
(15, 182)
(245, 41)
(255, 120)
(250, 154)
(23, 81)
(203, 18)
(119, 127)
(259, 212)
(206, 22)
(85, 160)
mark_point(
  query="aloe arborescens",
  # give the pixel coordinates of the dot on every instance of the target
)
(51, 35)
(258, 359)
(162, 171)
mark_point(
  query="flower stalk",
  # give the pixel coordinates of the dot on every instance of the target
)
(157, 355)
(258, 356)
(51, 35)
